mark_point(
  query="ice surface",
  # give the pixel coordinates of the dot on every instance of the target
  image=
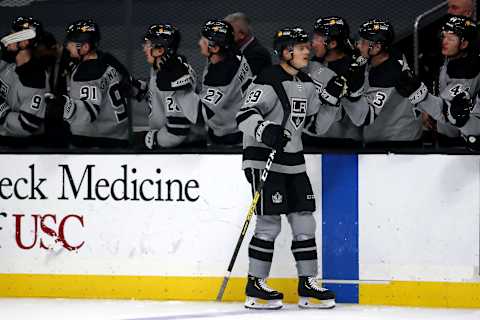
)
(67, 309)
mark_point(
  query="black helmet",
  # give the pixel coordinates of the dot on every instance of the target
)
(378, 31)
(23, 23)
(463, 27)
(219, 33)
(333, 28)
(286, 37)
(163, 35)
(83, 31)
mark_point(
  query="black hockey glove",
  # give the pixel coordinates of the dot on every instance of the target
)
(334, 90)
(457, 111)
(271, 134)
(409, 86)
(139, 89)
(355, 79)
(69, 107)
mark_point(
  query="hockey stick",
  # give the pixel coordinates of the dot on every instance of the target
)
(282, 96)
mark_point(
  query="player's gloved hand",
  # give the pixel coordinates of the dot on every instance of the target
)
(161, 61)
(69, 107)
(271, 134)
(457, 111)
(151, 141)
(334, 90)
(4, 110)
(409, 86)
(140, 89)
(356, 77)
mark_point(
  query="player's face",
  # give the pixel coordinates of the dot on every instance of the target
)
(450, 44)
(367, 48)
(203, 45)
(319, 45)
(13, 47)
(72, 48)
(150, 52)
(301, 54)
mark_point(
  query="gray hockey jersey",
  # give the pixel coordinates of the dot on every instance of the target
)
(23, 89)
(223, 87)
(462, 74)
(100, 101)
(388, 116)
(343, 127)
(172, 101)
(262, 103)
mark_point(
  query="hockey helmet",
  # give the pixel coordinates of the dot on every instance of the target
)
(287, 37)
(82, 31)
(333, 28)
(463, 27)
(378, 31)
(21, 23)
(163, 36)
(218, 33)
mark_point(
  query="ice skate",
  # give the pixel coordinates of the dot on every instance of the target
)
(312, 296)
(261, 296)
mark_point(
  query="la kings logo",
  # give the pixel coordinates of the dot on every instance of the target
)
(299, 111)
(3, 89)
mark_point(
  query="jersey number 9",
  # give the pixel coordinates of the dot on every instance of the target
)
(118, 102)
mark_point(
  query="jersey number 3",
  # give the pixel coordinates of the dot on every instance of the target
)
(380, 99)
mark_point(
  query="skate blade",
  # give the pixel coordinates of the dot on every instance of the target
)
(259, 304)
(312, 303)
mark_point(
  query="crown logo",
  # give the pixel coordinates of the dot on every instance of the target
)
(277, 198)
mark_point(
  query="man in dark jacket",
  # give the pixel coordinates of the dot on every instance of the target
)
(257, 55)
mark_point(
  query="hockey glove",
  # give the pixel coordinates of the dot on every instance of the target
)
(160, 62)
(409, 86)
(69, 107)
(4, 110)
(457, 111)
(140, 89)
(151, 141)
(272, 135)
(356, 78)
(334, 90)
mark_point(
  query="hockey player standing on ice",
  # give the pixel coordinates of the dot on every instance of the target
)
(23, 84)
(96, 106)
(225, 79)
(287, 189)
(389, 117)
(333, 60)
(172, 100)
(459, 79)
